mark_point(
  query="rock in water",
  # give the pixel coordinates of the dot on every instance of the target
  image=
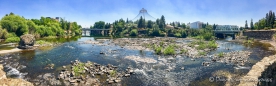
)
(26, 41)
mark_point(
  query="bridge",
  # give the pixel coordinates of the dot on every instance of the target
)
(95, 31)
(226, 30)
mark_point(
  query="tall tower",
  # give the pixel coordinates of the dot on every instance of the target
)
(143, 12)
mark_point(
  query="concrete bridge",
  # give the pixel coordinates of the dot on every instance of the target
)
(222, 31)
(95, 31)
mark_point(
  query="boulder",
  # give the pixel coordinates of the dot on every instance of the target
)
(26, 41)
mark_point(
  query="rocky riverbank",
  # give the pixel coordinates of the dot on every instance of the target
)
(235, 57)
(4, 81)
(92, 74)
(252, 77)
(182, 46)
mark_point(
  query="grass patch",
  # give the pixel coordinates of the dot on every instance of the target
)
(78, 69)
(202, 53)
(42, 42)
(220, 54)
(12, 39)
(183, 51)
(204, 45)
(169, 50)
(113, 73)
(158, 50)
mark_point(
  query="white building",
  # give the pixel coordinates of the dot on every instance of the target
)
(195, 25)
(227, 27)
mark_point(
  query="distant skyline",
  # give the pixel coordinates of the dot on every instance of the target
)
(86, 12)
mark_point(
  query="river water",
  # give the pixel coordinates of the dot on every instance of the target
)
(164, 71)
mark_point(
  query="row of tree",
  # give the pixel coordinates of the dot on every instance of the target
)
(14, 25)
(268, 22)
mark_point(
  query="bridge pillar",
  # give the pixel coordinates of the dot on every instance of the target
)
(233, 36)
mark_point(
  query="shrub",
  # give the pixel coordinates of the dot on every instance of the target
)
(169, 50)
(113, 73)
(12, 39)
(158, 50)
(79, 68)
(177, 35)
(42, 42)
(134, 32)
(220, 54)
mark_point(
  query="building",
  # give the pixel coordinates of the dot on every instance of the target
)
(195, 25)
(227, 27)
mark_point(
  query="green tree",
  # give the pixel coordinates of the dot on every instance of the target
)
(246, 26)
(99, 24)
(141, 23)
(251, 24)
(149, 25)
(162, 23)
(15, 23)
(183, 25)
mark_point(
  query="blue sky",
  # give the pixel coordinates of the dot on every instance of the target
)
(86, 12)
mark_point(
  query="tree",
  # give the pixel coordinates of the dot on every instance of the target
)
(107, 26)
(183, 25)
(141, 23)
(173, 24)
(127, 20)
(251, 24)
(99, 25)
(214, 26)
(162, 23)
(246, 26)
(149, 25)
(178, 24)
(15, 23)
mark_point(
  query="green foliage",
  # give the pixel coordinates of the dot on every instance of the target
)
(3, 33)
(158, 50)
(9, 35)
(202, 53)
(134, 32)
(15, 23)
(78, 69)
(220, 54)
(203, 45)
(169, 50)
(42, 42)
(12, 39)
(99, 25)
(266, 23)
(113, 73)
(177, 35)
(183, 51)
(141, 23)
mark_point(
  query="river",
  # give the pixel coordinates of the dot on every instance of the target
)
(30, 64)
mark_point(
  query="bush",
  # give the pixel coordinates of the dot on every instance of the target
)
(158, 50)
(3, 33)
(12, 39)
(78, 68)
(42, 42)
(113, 73)
(220, 54)
(169, 50)
(134, 32)
(177, 35)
